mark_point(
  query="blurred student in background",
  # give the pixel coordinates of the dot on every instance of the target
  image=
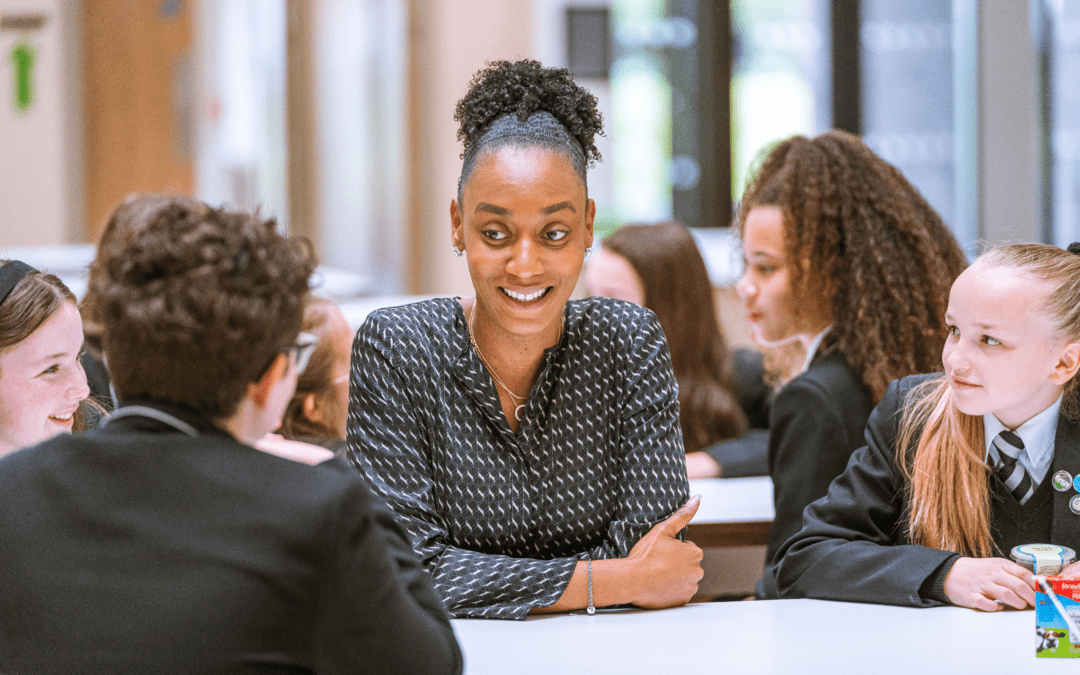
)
(721, 394)
(313, 427)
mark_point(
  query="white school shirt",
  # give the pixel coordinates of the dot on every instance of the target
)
(811, 349)
(1038, 437)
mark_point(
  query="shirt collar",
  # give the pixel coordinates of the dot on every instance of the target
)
(1037, 433)
(811, 349)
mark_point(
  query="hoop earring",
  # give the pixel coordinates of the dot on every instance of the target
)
(457, 251)
(588, 251)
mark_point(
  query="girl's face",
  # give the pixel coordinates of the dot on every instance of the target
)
(765, 286)
(524, 223)
(610, 275)
(42, 381)
(1002, 355)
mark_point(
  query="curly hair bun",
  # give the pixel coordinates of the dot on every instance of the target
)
(523, 88)
(1074, 248)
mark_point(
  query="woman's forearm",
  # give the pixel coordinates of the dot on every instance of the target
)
(613, 583)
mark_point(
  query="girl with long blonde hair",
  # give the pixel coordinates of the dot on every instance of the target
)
(962, 467)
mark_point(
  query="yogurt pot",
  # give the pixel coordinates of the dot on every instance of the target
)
(1043, 558)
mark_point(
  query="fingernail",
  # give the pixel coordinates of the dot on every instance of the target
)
(695, 497)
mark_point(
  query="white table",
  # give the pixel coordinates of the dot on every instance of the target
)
(784, 637)
(733, 512)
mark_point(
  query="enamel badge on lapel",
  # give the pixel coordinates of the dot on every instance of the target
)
(1062, 481)
(1074, 505)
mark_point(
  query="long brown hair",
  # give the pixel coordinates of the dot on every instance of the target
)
(32, 301)
(678, 291)
(317, 380)
(940, 449)
(860, 237)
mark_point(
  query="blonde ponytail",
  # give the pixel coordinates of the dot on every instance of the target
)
(947, 478)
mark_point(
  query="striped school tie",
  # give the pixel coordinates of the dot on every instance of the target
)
(1008, 470)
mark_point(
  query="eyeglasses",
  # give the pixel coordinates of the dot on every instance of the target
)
(304, 348)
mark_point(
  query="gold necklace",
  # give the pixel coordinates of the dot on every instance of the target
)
(518, 408)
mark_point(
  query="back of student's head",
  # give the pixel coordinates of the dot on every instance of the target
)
(865, 247)
(678, 290)
(941, 449)
(194, 302)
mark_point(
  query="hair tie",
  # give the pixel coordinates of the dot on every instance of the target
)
(11, 274)
(1073, 248)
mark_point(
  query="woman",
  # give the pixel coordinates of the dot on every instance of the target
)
(846, 257)
(721, 394)
(164, 541)
(42, 383)
(529, 444)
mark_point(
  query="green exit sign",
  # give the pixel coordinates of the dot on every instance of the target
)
(22, 63)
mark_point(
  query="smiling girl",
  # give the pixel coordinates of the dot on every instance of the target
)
(963, 467)
(41, 380)
(530, 444)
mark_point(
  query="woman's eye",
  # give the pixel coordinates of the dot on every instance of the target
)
(765, 270)
(952, 330)
(495, 235)
(557, 235)
(51, 370)
(993, 342)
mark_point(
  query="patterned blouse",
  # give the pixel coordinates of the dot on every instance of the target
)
(501, 519)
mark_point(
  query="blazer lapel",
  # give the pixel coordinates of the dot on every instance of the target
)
(1065, 530)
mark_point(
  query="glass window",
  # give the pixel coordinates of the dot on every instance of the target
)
(907, 93)
(1063, 103)
(780, 76)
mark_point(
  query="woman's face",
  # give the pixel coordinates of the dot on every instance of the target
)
(1002, 355)
(609, 275)
(524, 223)
(42, 381)
(765, 285)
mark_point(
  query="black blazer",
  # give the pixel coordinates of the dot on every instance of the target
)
(747, 455)
(137, 549)
(854, 544)
(817, 421)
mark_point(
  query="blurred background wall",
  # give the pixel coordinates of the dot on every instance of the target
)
(336, 116)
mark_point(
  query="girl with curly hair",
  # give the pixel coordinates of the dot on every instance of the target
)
(529, 443)
(962, 467)
(846, 257)
(43, 388)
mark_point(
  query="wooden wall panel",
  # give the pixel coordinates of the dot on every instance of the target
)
(137, 87)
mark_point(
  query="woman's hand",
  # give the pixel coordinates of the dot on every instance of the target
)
(701, 465)
(990, 584)
(667, 570)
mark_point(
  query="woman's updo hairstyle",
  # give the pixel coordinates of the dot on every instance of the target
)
(523, 104)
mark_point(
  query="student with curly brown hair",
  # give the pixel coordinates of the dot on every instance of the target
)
(529, 443)
(164, 542)
(844, 255)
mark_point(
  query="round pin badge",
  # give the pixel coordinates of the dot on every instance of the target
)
(1063, 480)
(1074, 505)
(1076, 483)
